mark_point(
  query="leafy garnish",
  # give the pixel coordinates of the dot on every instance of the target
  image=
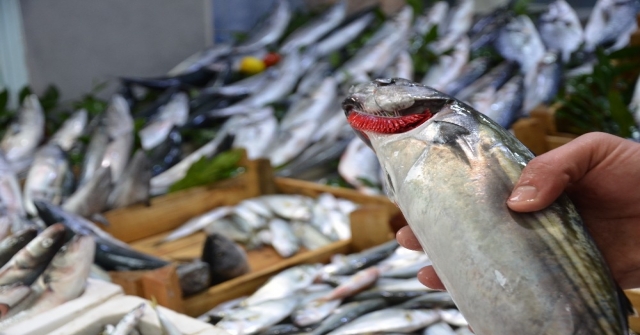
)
(206, 171)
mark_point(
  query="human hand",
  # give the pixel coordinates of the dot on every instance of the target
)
(601, 174)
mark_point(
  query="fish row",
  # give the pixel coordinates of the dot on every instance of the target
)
(129, 323)
(373, 291)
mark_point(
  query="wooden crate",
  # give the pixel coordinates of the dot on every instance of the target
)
(634, 297)
(143, 226)
(538, 132)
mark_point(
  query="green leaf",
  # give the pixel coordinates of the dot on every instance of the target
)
(417, 5)
(24, 92)
(206, 171)
(521, 7)
(368, 183)
(621, 114)
(4, 99)
(50, 98)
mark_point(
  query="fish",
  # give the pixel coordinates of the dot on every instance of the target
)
(359, 167)
(24, 134)
(94, 154)
(433, 16)
(453, 317)
(130, 320)
(347, 313)
(284, 239)
(168, 327)
(312, 309)
(12, 211)
(519, 41)
(389, 320)
(226, 259)
(310, 238)
(315, 29)
(289, 206)
(228, 228)
(611, 24)
(255, 318)
(356, 262)
(494, 79)
(442, 154)
(134, 185)
(560, 29)
(201, 59)
(507, 105)
(469, 74)
(174, 113)
(12, 297)
(458, 22)
(67, 135)
(246, 86)
(403, 67)
(31, 261)
(429, 300)
(291, 142)
(315, 157)
(485, 31)
(393, 297)
(197, 223)
(448, 67)
(439, 328)
(284, 284)
(342, 36)
(358, 282)
(281, 329)
(11, 245)
(268, 31)
(546, 83)
(166, 154)
(91, 197)
(46, 176)
(63, 280)
(257, 135)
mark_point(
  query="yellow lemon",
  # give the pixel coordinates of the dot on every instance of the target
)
(251, 65)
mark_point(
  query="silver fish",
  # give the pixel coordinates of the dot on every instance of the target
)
(459, 21)
(197, 223)
(309, 237)
(91, 197)
(284, 284)
(249, 85)
(343, 36)
(347, 313)
(289, 206)
(284, 239)
(174, 113)
(440, 328)
(560, 29)
(314, 107)
(356, 283)
(228, 228)
(519, 41)
(269, 31)
(315, 29)
(291, 142)
(257, 317)
(434, 16)
(71, 129)
(611, 22)
(201, 59)
(24, 134)
(133, 186)
(449, 67)
(402, 67)
(130, 320)
(168, 327)
(453, 317)
(257, 135)
(457, 166)
(545, 83)
(388, 321)
(45, 177)
(494, 79)
(359, 167)
(507, 105)
(12, 211)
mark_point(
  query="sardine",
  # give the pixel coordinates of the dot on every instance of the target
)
(46, 177)
(347, 313)
(560, 29)
(133, 186)
(70, 131)
(388, 321)
(343, 36)
(269, 31)
(289, 206)
(284, 284)
(226, 259)
(451, 165)
(312, 31)
(174, 113)
(24, 134)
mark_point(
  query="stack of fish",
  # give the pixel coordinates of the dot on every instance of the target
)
(129, 323)
(41, 271)
(374, 291)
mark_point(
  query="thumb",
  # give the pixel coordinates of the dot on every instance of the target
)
(545, 177)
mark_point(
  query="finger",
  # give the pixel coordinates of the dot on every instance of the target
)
(545, 177)
(407, 239)
(428, 277)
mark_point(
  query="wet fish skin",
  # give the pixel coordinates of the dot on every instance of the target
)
(389, 320)
(173, 114)
(166, 154)
(560, 29)
(284, 239)
(130, 320)
(486, 29)
(343, 36)
(14, 243)
(284, 284)
(309, 236)
(392, 297)
(46, 176)
(315, 29)
(448, 67)
(358, 282)
(359, 167)
(470, 73)
(544, 86)
(133, 187)
(508, 103)
(440, 328)
(11, 297)
(355, 262)
(269, 31)
(520, 41)
(555, 237)
(71, 129)
(28, 263)
(12, 212)
(226, 259)
(24, 134)
(495, 78)
(95, 152)
(255, 318)
(611, 22)
(91, 197)
(347, 313)
(430, 300)
(257, 136)
(282, 329)
(197, 223)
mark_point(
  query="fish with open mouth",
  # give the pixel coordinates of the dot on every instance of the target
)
(450, 170)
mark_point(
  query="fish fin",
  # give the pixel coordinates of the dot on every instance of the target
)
(449, 132)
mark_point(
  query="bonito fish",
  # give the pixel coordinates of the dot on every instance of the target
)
(450, 170)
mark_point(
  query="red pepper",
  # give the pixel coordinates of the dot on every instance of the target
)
(271, 59)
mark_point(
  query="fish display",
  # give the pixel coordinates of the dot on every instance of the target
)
(447, 164)
(307, 299)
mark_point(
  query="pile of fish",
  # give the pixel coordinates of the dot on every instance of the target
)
(40, 271)
(374, 291)
(288, 223)
(129, 324)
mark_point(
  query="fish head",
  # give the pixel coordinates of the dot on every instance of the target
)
(391, 106)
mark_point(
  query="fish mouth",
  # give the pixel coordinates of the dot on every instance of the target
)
(391, 106)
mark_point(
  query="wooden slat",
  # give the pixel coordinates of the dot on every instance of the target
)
(164, 286)
(371, 225)
(531, 133)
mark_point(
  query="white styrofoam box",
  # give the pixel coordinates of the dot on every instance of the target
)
(112, 311)
(96, 292)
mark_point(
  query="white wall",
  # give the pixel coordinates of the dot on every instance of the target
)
(75, 44)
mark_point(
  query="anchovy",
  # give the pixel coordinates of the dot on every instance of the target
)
(315, 29)
(446, 164)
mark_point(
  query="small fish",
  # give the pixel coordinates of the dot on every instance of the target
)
(257, 135)
(469, 74)
(229, 229)
(453, 317)
(269, 31)
(347, 313)
(356, 262)
(11, 298)
(258, 317)
(246, 86)
(70, 131)
(291, 142)
(133, 186)
(507, 106)
(284, 239)
(166, 154)
(429, 300)
(560, 29)
(174, 113)
(309, 237)
(494, 79)
(610, 24)
(312, 309)
(226, 259)
(343, 36)
(46, 177)
(284, 284)
(28, 263)
(545, 84)
(459, 20)
(12, 211)
(201, 59)
(222, 308)
(392, 297)
(289, 206)
(519, 41)
(389, 320)
(359, 167)
(282, 329)
(11, 245)
(449, 67)
(24, 134)
(440, 328)
(485, 31)
(91, 197)
(434, 16)
(129, 321)
(197, 223)
(358, 282)
(312, 31)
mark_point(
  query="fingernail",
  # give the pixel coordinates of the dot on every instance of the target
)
(524, 194)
